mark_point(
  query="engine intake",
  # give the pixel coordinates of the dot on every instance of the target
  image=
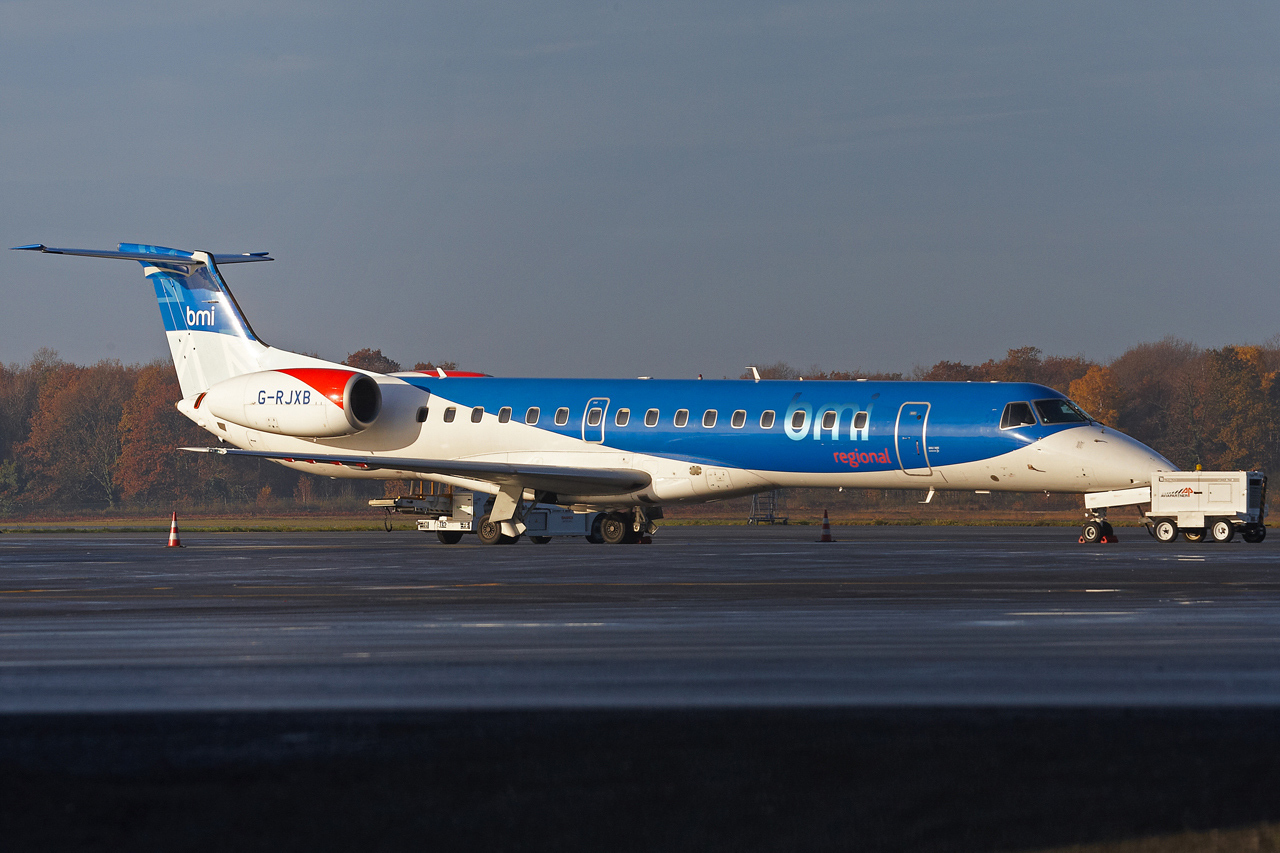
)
(307, 402)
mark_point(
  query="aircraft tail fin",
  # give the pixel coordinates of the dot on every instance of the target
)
(209, 338)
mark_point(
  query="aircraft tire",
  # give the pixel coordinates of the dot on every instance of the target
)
(449, 537)
(489, 532)
(614, 529)
(594, 536)
(1222, 530)
(1165, 530)
(1091, 532)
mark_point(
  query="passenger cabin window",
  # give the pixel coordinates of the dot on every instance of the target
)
(709, 418)
(766, 419)
(1016, 415)
(798, 419)
(422, 414)
(504, 415)
(828, 420)
(622, 417)
(449, 414)
(477, 414)
(651, 418)
(682, 417)
(1060, 412)
(562, 416)
(531, 416)
(739, 419)
(594, 416)
(860, 420)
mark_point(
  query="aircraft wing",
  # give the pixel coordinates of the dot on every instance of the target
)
(548, 478)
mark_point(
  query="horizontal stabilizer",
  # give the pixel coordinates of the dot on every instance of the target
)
(549, 478)
(131, 252)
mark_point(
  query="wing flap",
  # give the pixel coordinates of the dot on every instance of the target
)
(550, 478)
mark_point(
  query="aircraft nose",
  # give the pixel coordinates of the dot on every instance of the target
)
(1104, 459)
(1120, 462)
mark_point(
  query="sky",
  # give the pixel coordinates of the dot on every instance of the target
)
(658, 189)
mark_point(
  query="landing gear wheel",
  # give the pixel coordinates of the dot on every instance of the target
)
(1253, 533)
(614, 529)
(539, 540)
(490, 531)
(1091, 533)
(594, 536)
(1165, 530)
(1222, 530)
(449, 537)
(1193, 534)
(1108, 531)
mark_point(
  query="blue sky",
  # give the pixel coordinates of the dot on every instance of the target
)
(648, 189)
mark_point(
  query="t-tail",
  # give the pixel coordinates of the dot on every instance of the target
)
(209, 338)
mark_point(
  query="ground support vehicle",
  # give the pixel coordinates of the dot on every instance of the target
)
(452, 514)
(1196, 504)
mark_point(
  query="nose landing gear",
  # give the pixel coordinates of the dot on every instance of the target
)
(1097, 530)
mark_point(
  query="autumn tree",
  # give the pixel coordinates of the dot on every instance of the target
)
(19, 390)
(1098, 394)
(1242, 396)
(74, 443)
(151, 429)
(1163, 400)
(431, 366)
(372, 360)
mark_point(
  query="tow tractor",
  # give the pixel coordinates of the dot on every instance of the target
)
(454, 513)
(1196, 504)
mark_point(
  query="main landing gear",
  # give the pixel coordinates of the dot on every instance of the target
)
(625, 528)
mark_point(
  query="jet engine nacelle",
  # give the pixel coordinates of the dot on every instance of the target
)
(307, 402)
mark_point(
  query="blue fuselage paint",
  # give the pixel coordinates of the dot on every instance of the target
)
(816, 428)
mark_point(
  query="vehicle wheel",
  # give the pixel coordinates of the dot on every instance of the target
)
(1253, 533)
(1193, 534)
(449, 537)
(1165, 530)
(614, 529)
(489, 531)
(539, 540)
(594, 536)
(1091, 532)
(1222, 530)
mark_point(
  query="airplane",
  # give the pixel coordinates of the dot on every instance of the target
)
(623, 447)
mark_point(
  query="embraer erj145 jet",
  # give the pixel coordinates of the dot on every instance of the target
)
(624, 446)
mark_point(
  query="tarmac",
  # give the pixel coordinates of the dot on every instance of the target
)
(926, 688)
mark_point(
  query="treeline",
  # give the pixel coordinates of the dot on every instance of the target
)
(105, 435)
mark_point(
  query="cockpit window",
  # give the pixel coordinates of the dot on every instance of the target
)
(1016, 415)
(1060, 412)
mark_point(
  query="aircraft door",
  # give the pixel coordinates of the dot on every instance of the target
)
(593, 420)
(913, 455)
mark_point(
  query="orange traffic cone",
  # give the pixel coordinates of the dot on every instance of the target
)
(174, 541)
(826, 528)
